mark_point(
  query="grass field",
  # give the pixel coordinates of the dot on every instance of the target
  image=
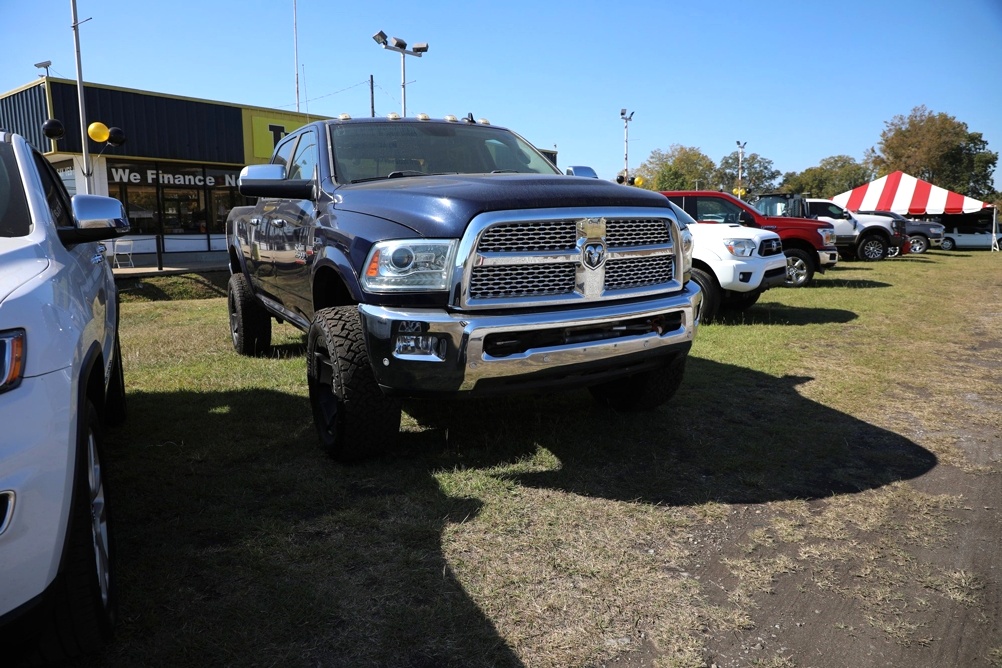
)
(824, 490)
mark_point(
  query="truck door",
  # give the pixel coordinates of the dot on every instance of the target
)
(829, 212)
(293, 223)
(263, 234)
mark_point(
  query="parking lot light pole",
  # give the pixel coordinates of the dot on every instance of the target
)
(400, 46)
(626, 141)
(739, 190)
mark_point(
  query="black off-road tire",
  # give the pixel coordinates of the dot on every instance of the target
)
(80, 618)
(644, 391)
(799, 268)
(919, 244)
(871, 248)
(354, 419)
(711, 294)
(250, 324)
(115, 405)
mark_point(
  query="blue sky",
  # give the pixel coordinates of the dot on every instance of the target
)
(797, 81)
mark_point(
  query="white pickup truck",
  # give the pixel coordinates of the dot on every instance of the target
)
(733, 264)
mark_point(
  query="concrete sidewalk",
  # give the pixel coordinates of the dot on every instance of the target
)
(173, 263)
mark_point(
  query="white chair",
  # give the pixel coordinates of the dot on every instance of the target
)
(123, 252)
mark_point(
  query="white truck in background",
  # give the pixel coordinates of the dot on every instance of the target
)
(733, 264)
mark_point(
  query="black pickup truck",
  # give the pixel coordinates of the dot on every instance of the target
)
(442, 258)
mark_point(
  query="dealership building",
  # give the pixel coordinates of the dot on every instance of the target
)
(177, 171)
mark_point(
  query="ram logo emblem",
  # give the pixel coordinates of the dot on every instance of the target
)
(594, 255)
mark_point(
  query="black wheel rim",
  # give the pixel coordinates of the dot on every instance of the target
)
(234, 321)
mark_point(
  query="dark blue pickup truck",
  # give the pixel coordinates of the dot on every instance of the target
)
(442, 258)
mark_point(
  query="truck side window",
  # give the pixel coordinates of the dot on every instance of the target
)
(713, 210)
(283, 154)
(55, 194)
(305, 160)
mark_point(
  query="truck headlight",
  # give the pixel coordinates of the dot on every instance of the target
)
(740, 247)
(827, 236)
(409, 265)
(686, 237)
(12, 358)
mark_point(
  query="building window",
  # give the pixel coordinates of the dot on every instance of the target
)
(178, 207)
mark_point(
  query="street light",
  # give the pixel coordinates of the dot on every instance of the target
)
(400, 46)
(44, 65)
(626, 141)
(739, 191)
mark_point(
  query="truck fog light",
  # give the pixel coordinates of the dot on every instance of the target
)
(419, 346)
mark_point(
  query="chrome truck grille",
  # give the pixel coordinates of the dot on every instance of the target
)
(514, 259)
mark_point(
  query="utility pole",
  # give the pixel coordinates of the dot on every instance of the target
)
(740, 191)
(295, 46)
(372, 97)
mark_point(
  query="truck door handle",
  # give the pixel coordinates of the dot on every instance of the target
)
(254, 221)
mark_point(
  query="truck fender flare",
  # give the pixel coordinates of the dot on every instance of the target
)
(332, 259)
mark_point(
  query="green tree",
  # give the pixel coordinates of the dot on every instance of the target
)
(938, 148)
(681, 168)
(757, 174)
(834, 175)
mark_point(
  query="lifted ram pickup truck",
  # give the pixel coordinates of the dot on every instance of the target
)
(447, 258)
(809, 245)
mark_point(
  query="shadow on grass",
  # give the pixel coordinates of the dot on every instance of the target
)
(731, 435)
(240, 543)
(777, 313)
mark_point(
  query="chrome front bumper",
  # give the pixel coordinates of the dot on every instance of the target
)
(556, 347)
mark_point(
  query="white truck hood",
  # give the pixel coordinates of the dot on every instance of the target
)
(20, 261)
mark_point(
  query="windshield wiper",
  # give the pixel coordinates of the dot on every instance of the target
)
(504, 171)
(391, 175)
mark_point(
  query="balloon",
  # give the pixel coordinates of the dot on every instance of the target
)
(53, 129)
(116, 136)
(98, 131)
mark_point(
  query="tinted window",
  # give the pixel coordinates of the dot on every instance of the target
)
(283, 154)
(55, 192)
(305, 159)
(14, 219)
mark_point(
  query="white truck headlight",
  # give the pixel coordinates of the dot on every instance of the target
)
(740, 247)
(409, 265)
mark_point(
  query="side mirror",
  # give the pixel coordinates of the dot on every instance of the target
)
(95, 218)
(269, 181)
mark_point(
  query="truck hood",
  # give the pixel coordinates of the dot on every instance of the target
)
(443, 205)
(20, 261)
(803, 223)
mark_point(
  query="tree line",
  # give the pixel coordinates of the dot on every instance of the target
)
(935, 147)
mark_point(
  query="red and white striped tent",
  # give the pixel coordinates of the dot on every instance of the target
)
(907, 195)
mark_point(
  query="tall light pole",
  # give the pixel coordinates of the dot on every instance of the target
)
(741, 157)
(626, 141)
(87, 171)
(400, 46)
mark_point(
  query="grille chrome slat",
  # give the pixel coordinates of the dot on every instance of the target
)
(546, 259)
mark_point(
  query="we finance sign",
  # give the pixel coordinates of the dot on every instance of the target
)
(152, 177)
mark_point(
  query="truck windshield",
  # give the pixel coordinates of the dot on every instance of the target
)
(367, 151)
(14, 219)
